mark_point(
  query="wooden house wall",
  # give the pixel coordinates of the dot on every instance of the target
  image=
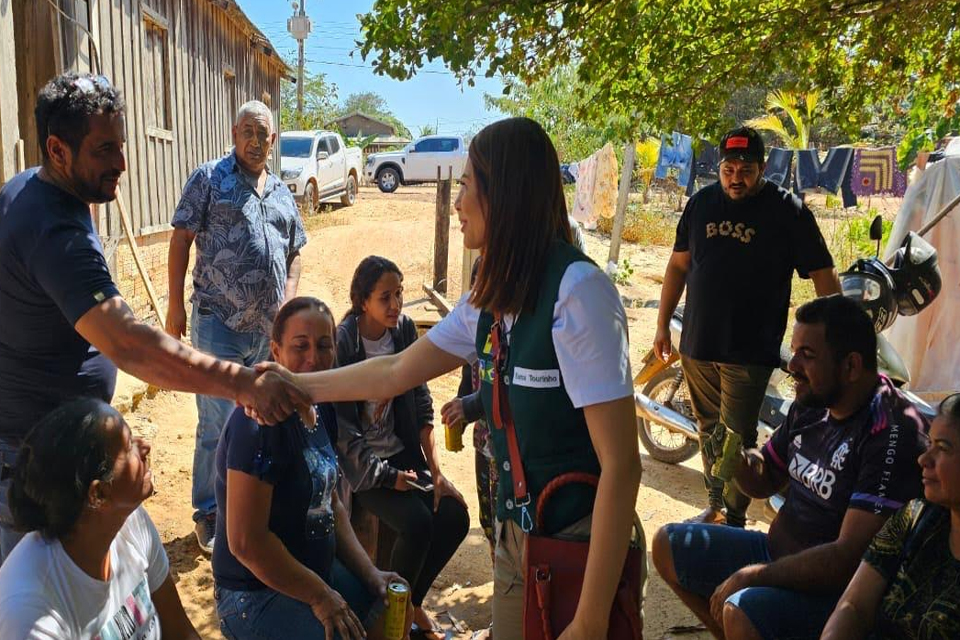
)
(183, 67)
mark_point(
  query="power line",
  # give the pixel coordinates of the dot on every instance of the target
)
(365, 66)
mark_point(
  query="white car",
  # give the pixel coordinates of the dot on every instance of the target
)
(317, 166)
(417, 162)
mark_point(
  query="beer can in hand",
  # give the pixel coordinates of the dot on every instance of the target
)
(395, 617)
(453, 434)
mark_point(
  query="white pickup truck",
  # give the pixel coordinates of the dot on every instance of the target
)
(417, 162)
(317, 167)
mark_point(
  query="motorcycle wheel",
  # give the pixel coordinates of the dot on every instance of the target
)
(661, 443)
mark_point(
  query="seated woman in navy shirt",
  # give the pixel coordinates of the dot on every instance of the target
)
(290, 565)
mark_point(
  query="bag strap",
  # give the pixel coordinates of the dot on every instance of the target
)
(542, 579)
(503, 419)
(574, 477)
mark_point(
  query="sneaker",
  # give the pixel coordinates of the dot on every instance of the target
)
(206, 529)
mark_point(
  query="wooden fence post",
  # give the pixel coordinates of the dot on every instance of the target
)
(626, 176)
(441, 235)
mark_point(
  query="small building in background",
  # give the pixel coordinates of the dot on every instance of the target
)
(356, 124)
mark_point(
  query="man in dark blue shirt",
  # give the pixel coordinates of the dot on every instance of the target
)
(64, 329)
(848, 452)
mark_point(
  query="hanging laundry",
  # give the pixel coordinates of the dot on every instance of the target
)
(875, 172)
(597, 182)
(846, 187)
(778, 166)
(606, 187)
(807, 171)
(676, 152)
(583, 202)
(834, 168)
(705, 169)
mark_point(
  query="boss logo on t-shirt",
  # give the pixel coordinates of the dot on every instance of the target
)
(738, 230)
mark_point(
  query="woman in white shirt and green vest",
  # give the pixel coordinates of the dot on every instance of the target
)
(567, 366)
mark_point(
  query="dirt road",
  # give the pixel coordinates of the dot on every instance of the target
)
(401, 226)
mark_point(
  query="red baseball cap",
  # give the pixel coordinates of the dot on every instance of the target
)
(743, 144)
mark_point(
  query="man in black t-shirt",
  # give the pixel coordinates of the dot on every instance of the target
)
(848, 452)
(64, 328)
(737, 245)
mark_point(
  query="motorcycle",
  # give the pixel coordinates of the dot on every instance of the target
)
(665, 421)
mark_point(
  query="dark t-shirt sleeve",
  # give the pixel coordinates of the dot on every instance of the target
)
(889, 476)
(257, 451)
(777, 449)
(69, 264)
(682, 241)
(886, 549)
(810, 249)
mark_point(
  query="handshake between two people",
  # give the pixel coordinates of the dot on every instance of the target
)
(273, 395)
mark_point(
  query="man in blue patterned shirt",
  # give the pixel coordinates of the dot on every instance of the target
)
(248, 233)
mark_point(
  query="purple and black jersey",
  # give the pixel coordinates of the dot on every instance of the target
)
(867, 461)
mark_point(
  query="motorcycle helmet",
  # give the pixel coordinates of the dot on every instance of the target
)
(868, 282)
(916, 275)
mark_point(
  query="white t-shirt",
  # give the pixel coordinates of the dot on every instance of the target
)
(589, 336)
(377, 418)
(45, 596)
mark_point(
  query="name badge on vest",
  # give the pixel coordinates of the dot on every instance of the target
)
(536, 378)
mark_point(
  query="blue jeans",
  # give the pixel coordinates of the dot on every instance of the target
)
(265, 614)
(210, 335)
(8, 536)
(704, 555)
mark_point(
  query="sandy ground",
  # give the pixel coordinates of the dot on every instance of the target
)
(401, 227)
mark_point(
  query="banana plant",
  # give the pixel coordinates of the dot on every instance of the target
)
(800, 111)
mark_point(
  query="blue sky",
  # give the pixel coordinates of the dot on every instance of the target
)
(428, 98)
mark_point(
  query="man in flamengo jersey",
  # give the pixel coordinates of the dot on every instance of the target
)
(738, 244)
(848, 451)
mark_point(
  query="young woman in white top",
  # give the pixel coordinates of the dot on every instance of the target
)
(550, 304)
(93, 565)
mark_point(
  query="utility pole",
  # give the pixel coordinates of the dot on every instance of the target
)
(298, 25)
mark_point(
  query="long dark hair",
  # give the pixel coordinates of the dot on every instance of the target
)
(291, 308)
(365, 278)
(517, 173)
(60, 458)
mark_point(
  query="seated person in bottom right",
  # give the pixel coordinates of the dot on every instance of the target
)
(908, 585)
(847, 451)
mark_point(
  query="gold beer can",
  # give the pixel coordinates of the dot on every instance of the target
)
(395, 618)
(453, 434)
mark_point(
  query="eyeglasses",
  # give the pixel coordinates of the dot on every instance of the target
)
(89, 84)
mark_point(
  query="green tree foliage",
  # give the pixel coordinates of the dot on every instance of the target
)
(674, 64)
(800, 111)
(556, 102)
(367, 102)
(374, 105)
(319, 103)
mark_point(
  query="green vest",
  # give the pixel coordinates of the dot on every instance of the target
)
(551, 432)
